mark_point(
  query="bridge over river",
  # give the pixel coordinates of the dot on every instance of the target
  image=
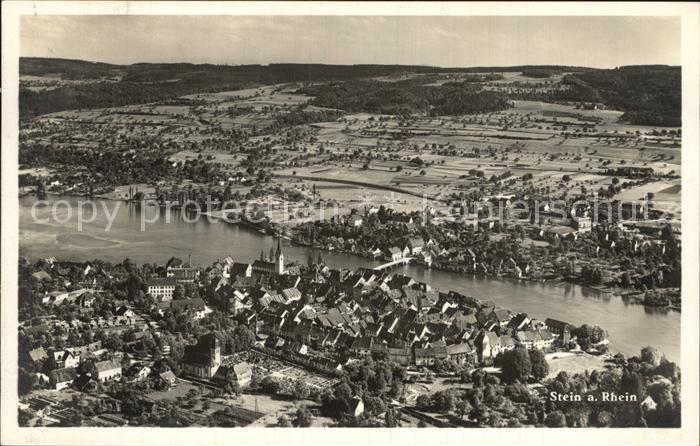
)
(401, 261)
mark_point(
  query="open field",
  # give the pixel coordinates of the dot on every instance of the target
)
(180, 389)
(351, 160)
(414, 390)
(573, 363)
(272, 408)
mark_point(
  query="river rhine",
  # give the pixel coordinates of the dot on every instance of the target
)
(630, 326)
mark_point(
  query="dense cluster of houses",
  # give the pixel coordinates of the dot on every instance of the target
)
(332, 315)
(315, 316)
(312, 315)
(453, 244)
(63, 364)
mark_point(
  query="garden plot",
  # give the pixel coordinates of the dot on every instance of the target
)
(639, 192)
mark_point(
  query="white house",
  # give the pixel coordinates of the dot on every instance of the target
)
(62, 378)
(162, 289)
(355, 221)
(358, 407)
(417, 245)
(394, 254)
(375, 252)
(142, 373)
(108, 370)
(66, 359)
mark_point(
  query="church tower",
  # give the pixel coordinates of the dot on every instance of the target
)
(215, 353)
(279, 258)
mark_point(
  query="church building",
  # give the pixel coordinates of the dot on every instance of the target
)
(273, 265)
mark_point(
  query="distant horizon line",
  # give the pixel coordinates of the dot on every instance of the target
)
(225, 64)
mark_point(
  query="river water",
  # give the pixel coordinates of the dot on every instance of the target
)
(53, 229)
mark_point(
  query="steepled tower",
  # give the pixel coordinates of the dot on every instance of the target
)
(215, 352)
(279, 257)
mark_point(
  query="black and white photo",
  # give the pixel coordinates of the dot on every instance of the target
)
(361, 220)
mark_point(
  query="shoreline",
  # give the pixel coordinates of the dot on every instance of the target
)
(557, 282)
(273, 229)
(507, 281)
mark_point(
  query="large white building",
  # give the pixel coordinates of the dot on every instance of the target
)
(108, 370)
(162, 289)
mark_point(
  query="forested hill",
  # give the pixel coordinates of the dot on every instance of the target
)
(280, 72)
(648, 94)
(70, 69)
(409, 96)
(80, 84)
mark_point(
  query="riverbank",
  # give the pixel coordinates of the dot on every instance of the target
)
(270, 228)
(631, 296)
(630, 326)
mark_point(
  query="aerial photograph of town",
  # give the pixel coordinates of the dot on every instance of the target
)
(309, 221)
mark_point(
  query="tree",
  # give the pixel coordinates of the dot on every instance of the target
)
(465, 376)
(132, 403)
(518, 393)
(626, 280)
(587, 335)
(603, 419)
(87, 367)
(179, 292)
(667, 233)
(303, 417)
(134, 286)
(424, 401)
(231, 385)
(478, 377)
(668, 369)
(632, 383)
(270, 385)
(444, 401)
(463, 408)
(540, 368)
(23, 417)
(650, 355)
(555, 419)
(241, 339)
(493, 419)
(390, 419)
(25, 382)
(516, 365)
(300, 390)
(283, 421)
